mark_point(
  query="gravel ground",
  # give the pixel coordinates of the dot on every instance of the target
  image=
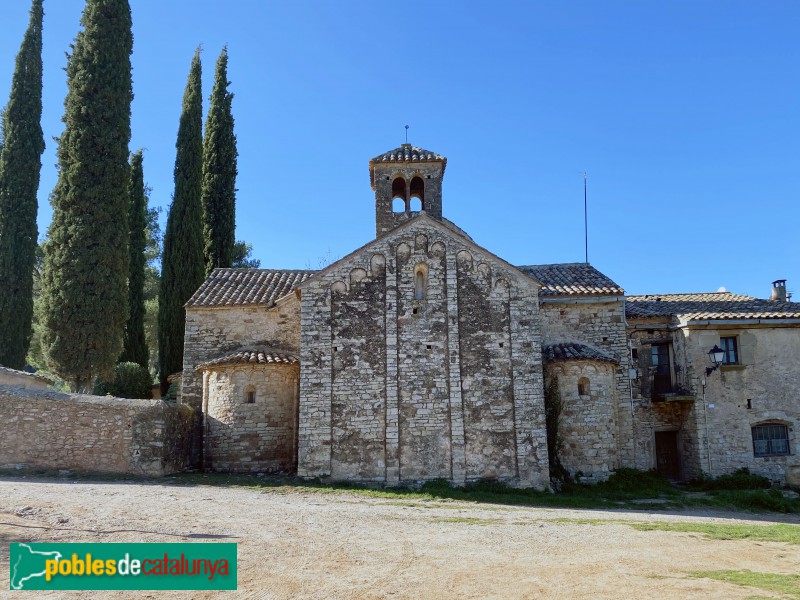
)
(305, 544)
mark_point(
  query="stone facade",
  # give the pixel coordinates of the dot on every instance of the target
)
(250, 417)
(588, 427)
(422, 355)
(420, 360)
(712, 415)
(47, 430)
(210, 332)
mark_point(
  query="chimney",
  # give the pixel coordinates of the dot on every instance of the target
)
(778, 290)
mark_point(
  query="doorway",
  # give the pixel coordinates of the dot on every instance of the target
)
(667, 459)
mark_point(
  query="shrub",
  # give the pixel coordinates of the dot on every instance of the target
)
(130, 381)
(172, 392)
(738, 480)
(635, 483)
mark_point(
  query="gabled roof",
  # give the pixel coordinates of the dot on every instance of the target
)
(567, 279)
(709, 306)
(242, 287)
(424, 218)
(252, 356)
(574, 351)
(404, 154)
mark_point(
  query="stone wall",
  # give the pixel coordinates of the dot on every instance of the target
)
(212, 331)
(762, 389)
(52, 430)
(714, 421)
(398, 386)
(587, 427)
(431, 173)
(599, 322)
(244, 436)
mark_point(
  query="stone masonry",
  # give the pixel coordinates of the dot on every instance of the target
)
(46, 430)
(422, 355)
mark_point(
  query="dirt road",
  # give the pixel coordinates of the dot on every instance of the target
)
(322, 545)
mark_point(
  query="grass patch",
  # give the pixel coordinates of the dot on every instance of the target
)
(626, 488)
(771, 582)
(789, 534)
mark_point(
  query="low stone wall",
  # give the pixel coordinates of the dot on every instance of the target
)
(51, 430)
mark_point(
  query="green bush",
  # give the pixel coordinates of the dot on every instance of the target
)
(131, 380)
(172, 392)
(637, 482)
(742, 479)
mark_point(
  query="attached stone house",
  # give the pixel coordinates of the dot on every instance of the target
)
(690, 417)
(422, 355)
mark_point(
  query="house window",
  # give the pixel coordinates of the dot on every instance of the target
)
(728, 345)
(771, 439)
(250, 395)
(583, 386)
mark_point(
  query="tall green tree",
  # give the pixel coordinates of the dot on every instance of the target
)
(182, 266)
(219, 173)
(85, 278)
(20, 163)
(134, 343)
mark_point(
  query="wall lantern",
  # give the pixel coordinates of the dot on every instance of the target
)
(716, 356)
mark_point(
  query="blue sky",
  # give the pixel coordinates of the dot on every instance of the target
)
(684, 115)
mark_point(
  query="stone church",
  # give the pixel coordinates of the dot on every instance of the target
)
(422, 355)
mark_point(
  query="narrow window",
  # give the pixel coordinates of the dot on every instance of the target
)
(417, 189)
(770, 439)
(419, 285)
(728, 345)
(399, 198)
(250, 395)
(583, 386)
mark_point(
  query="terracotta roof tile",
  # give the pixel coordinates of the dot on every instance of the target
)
(570, 279)
(252, 356)
(242, 287)
(709, 306)
(405, 154)
(574, 351)
(408, 153)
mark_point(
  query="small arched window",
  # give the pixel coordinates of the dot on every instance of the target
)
(420, 283)
(250, 394)
(417, 189)
(583, 386)
(399, 196)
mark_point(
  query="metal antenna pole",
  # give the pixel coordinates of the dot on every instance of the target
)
(585, 222)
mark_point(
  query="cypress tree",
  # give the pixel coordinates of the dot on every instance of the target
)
(182, 267)
(219, 173)
(134, 342)
(85, 278)
(20, 164)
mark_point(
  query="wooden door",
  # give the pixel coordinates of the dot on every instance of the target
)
(667, 459)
